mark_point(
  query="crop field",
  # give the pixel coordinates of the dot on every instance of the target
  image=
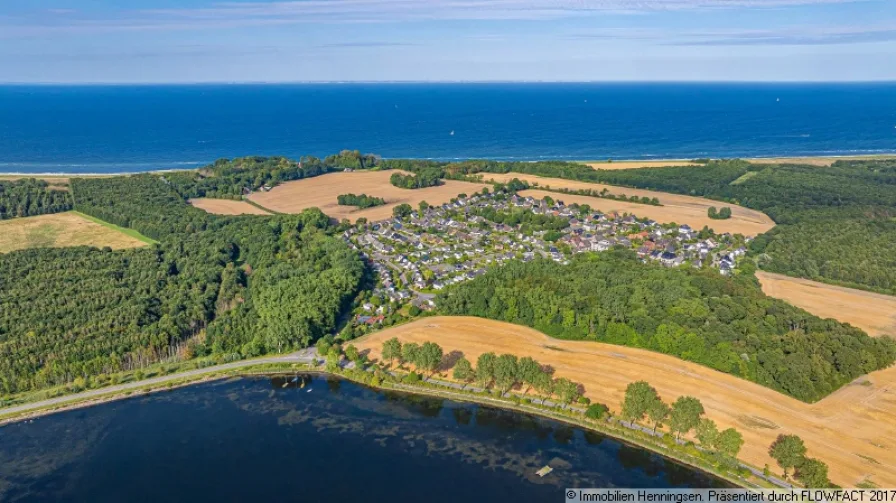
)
(639, 164)
(852, 430)
(227, 207)
(872, 312)
(676, 208)
(816, 161)
(322, 191)
(59, 230)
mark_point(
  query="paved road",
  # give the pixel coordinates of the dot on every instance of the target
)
(304, 356)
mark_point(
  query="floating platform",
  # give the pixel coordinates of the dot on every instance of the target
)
(544, 471)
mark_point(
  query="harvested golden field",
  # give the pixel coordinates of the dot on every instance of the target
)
(872, 312)
(59, 230)
(322, 191)
(816, 161)
(676, 208)
(227, 207)
(852, 430)
(640, 164)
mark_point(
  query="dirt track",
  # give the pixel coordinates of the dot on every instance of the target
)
(322, 191)
(676, 208)
(852, 430)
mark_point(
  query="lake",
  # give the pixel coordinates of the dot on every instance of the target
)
(251, 439)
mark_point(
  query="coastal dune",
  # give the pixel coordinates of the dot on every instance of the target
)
(852, 430)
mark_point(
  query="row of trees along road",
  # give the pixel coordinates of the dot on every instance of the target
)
(642, 403)
(501, 372)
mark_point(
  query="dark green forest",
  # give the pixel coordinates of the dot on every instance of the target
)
(724, 323)
(30, 197)
(244, 285)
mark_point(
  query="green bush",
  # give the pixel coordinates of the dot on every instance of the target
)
(597, 411)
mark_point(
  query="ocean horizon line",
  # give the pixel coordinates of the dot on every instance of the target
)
(448, 82)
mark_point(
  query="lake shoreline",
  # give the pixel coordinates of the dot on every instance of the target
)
(247, 372)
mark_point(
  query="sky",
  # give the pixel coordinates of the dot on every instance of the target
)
(180, 41)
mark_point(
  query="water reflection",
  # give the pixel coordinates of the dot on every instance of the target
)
(325, 439)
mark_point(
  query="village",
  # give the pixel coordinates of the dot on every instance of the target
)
(436, 246)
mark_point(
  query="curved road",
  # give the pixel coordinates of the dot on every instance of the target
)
(304, 356)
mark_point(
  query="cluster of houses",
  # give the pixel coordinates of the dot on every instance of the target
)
(442, 245)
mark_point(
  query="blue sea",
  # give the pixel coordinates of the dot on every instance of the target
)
(105, 129)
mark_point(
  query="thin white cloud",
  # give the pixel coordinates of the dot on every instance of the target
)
(786, 35)
(412, 10)
(246, 14)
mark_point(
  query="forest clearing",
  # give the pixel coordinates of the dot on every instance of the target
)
(676, 208)
(322, 191)
(872, 312)
(59, 230)
(226, 206)
(852, 430)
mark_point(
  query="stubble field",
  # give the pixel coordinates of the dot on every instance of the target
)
(872, 312)
(676, 208)
(322, 191)
(639, 164)
(59, 230)
(852, 430)
(227, 207)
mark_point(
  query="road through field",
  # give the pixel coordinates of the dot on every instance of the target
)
(872, 312)
(853, 430)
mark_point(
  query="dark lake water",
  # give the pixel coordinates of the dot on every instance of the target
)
(253, 440)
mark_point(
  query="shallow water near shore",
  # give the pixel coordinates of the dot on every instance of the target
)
(316, 439)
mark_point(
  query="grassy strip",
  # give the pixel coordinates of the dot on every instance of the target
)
(124, 230)
(262, 208)
(743, 178)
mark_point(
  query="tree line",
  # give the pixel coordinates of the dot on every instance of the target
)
(724, 323)
(501, 372)
(425, 178)
(362, 201)
(29, 197)
(641, 403)
(715, 214)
